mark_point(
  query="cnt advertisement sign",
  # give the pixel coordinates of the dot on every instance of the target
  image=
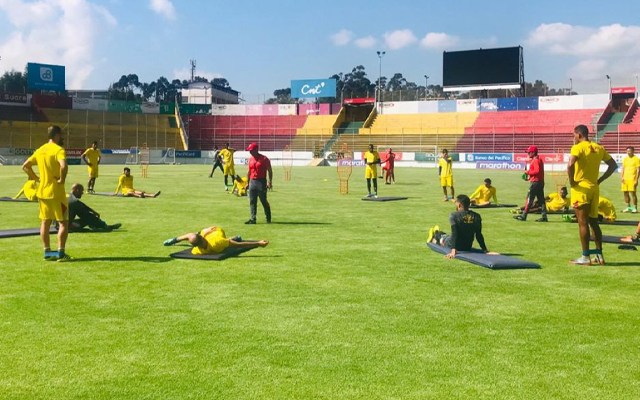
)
(313, 88)
(45, 77)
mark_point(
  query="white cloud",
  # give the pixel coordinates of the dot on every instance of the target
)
(342, 38)
(398, 39)
(70, 41)
(593, 51)
(185, 74)
(439, 41)
(366, 42)
(164, 8)
(564, 39)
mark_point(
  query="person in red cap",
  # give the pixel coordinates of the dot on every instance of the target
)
(260, 178)
(535, 173)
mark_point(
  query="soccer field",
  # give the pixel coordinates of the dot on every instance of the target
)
(346, 302)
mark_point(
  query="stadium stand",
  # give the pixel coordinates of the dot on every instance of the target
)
(320, 125)
(417, 124)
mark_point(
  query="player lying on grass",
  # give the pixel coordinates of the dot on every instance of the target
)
(240, 186)
(81, 215)
(125, 183)
(213, 240)
(634, 238)
(465, 226)
(606, 212)
(555, 202)
(28, 190)
(484, 194)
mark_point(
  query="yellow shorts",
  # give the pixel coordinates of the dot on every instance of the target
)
(54, 209)
(127, 191)
(371, 172)
(229, 170)
(586, 194)
(446, 181)
(214, 243)
(629, 186)
(93, 172)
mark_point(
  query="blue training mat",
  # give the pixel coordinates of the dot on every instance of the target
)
(383, 199)
(478, 257)
(20, 200)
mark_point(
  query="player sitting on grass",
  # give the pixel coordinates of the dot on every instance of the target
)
(86, 216)
(28, 190)
(606, 212)
(240, 186)
(484, 194)
(125, 183)
(555, 202)
(213, 240)
(465, 226)
(635, 238)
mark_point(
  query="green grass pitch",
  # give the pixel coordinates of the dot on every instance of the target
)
(346, 302)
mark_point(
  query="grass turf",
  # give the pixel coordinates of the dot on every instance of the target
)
(346, 302)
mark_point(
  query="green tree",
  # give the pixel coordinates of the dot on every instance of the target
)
(14, 81)
(282, 96)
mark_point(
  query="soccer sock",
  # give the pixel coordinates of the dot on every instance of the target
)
(369, 185)
(586, 253)
(60, 252)
(226, 182)
(375, 185)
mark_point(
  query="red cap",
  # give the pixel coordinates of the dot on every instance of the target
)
(252, 146)
(532, 149)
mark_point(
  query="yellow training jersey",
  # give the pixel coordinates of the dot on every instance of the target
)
(216, 242)
(241, 186)
(557, 203)
(630, 167)
(125, 183)
(48, 158)
(29, 191)
(372, 157)
(227, 156)
(485, 194)
(445, 164)
(607, 209)
(93, 155)
(589, 156)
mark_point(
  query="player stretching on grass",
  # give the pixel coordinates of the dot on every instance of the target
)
(535, 173)
(371, 160)
(583, 170)
(629, 177)
(52, 199)
(484, 194)
(125, 183)
(229, 169)
(446, 174)
(92, 157)
(212, 240)
(465, 226)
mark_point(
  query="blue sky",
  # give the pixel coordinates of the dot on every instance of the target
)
(259, 46)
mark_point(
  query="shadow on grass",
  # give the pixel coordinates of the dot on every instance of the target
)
(299, 223)
(121, 259)
(622, 264)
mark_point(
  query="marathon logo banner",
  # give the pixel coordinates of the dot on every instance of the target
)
(15, 98)
(507, 165)
(350, 163)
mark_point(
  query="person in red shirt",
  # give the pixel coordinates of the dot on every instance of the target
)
(260, 178)
(535, 173)
(388, 168)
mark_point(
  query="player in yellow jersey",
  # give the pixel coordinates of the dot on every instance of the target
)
(92, 157)
(240, 185)
(371, 161)
(213, 240)
(29, 190)
(629, 177)
(555, 202)
(125, 184)
(484, 194)
(606, 210)
(583, 170)
(228, 169)
(52, 198)
(446, 174)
